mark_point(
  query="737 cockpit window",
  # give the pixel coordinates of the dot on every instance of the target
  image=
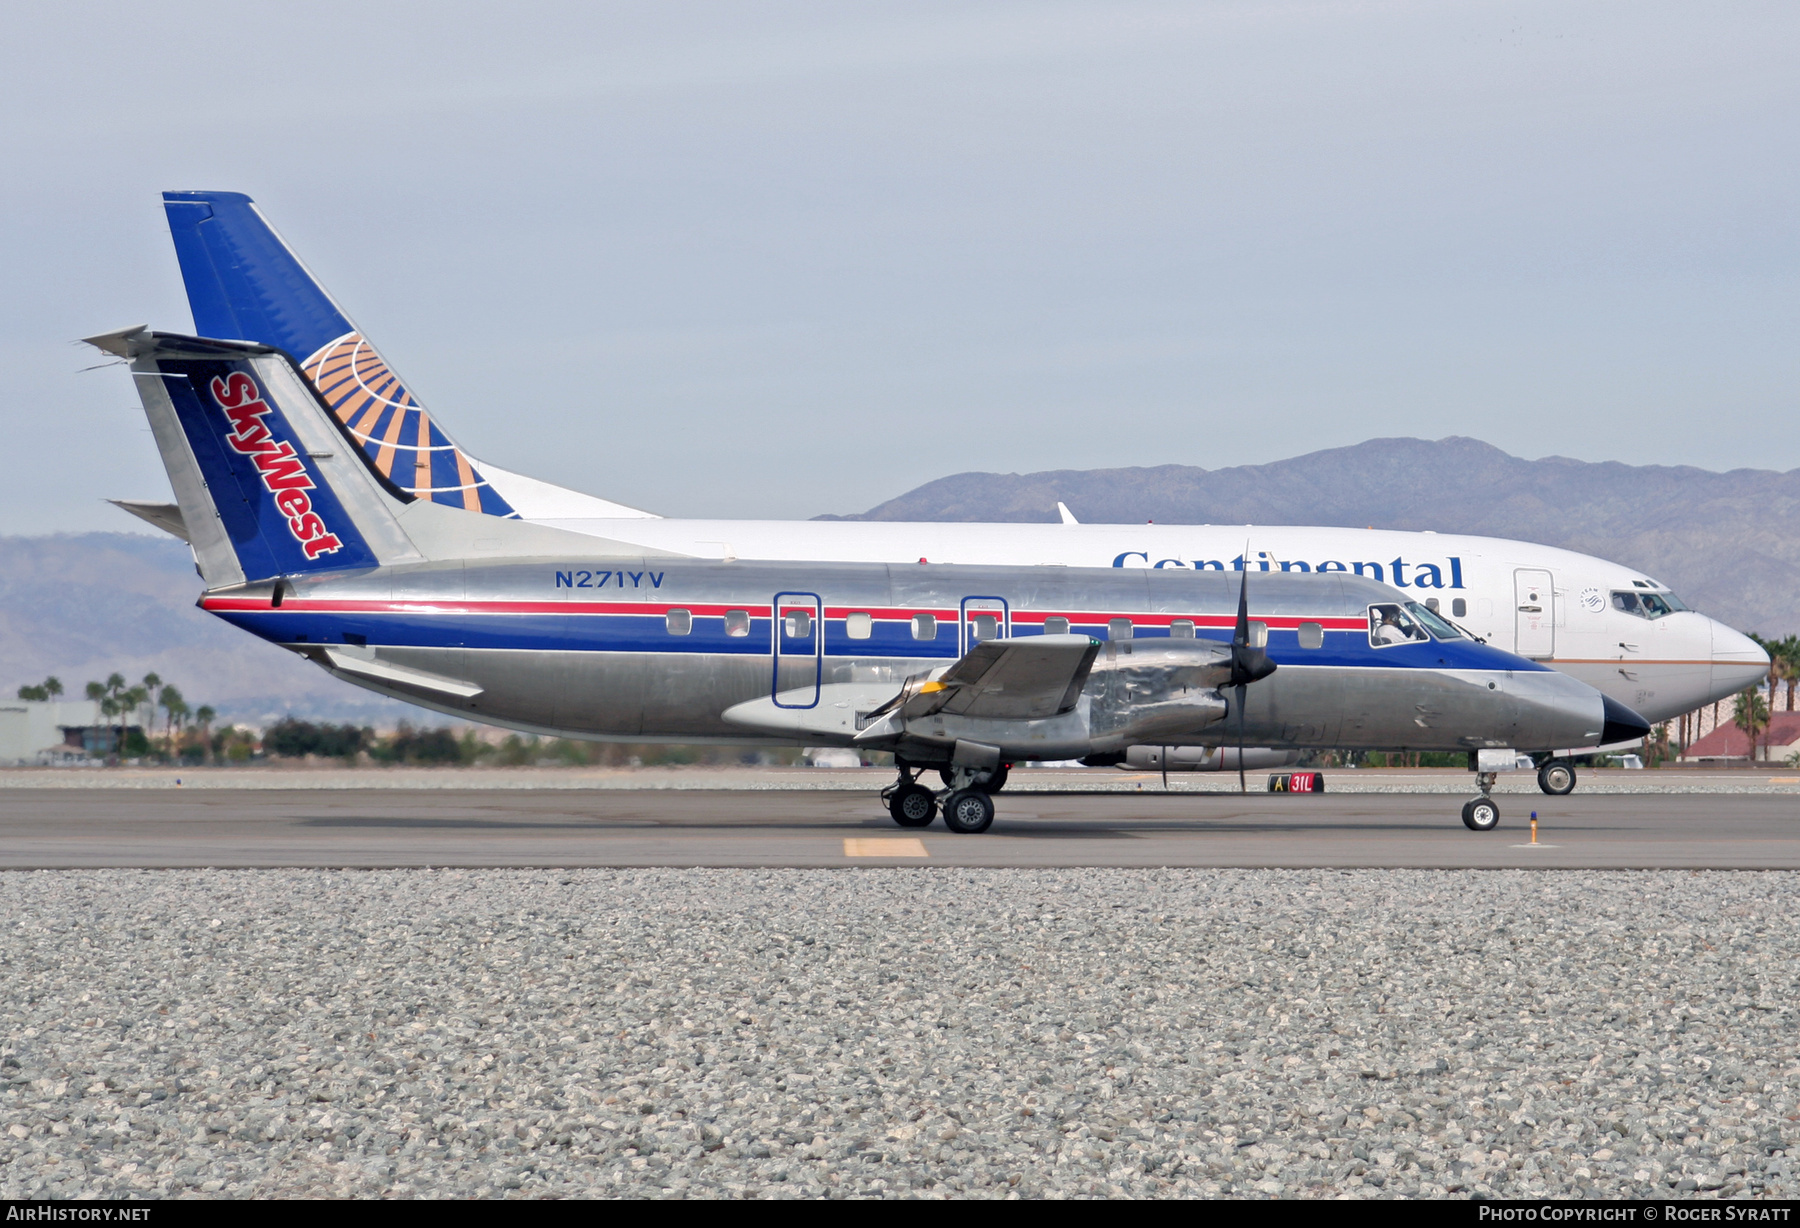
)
(1646, 605)
(1394, 624)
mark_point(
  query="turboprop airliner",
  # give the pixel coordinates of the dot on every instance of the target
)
(1621, 631)
(305, 539)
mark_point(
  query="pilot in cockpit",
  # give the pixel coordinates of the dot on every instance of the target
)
(1389, 624)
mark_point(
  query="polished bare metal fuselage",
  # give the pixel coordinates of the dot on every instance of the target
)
(587, 649)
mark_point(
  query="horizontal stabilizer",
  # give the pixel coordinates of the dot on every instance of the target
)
(165, 516)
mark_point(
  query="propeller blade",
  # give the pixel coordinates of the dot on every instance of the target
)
(1165, 765)
(1242, 787)
(1241, 637)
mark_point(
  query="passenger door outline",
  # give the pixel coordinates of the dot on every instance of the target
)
(965, 624)
(1534, 614)
(797, 662)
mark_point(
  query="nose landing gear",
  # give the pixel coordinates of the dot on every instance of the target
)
(1482, 813)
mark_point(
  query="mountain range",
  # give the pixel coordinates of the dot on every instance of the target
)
(1727, 543)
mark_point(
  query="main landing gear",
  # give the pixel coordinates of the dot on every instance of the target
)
(967, 804)
(1556, 777)
(1482, 813)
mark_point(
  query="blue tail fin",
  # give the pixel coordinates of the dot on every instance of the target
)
(244, 283)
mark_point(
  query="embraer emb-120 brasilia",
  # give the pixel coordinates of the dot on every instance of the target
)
(1610, 626)
(305, 540)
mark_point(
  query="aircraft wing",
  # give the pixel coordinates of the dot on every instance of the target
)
(1011, 679)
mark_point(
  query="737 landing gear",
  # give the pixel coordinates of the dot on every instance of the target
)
(1557, 777)
(1482, 814)
(910, 803)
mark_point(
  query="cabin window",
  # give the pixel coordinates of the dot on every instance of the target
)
(737, 622)
(1181, 629)
(924, 626)
(1431, 603)
(858, 626)
(984, 626)
(797, 624)
(1391, 624)
(1259, 635)
(1118, 629)
(1056, 626)
(1312, 635)
(1459, 608)
(679, 622)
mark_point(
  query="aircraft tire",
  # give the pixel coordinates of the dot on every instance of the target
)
(995, 782)
(968, 812)
(1481, 814)
(912, 806)
(1557, 777)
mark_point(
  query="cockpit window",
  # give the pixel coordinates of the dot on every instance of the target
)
(1433, 623)
(1393, 624)
(1646, 605)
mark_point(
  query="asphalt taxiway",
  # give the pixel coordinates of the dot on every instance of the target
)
(48, 828)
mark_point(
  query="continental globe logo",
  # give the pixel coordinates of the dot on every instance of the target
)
(401, 440)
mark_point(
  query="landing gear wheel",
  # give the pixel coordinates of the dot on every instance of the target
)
(912, 806)
(968, 811)
(996, 779)
(1482, 814)
(1557, 777)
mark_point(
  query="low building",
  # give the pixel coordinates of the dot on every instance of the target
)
(1775, 744)
(56, 731)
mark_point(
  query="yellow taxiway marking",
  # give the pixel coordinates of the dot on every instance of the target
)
(1784, 780)
(904, 846)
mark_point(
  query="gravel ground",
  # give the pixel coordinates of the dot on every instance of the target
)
(906, 1033)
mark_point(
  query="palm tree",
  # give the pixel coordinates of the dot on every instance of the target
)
(152, 687)
(1751, 715)
(204, 716)
(176, 707)
(1785, 656)
(96, 691)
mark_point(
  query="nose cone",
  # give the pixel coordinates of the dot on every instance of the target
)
(1621, 724)
(1737, 661)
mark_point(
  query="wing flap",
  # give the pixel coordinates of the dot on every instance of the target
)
(1027, 678)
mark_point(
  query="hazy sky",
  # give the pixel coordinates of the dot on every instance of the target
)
(782, 259)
